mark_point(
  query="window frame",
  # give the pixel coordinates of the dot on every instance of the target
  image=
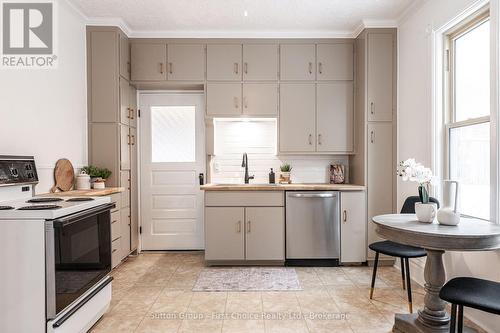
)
(450, 122)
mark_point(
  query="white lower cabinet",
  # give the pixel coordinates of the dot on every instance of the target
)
(353, 227)
(265, 233)
(224, 233)
(244, 233)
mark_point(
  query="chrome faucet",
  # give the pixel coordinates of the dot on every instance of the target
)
(244, 164)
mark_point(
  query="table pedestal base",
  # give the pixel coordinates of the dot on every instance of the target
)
(409, 323)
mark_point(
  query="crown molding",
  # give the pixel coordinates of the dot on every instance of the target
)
(410, 10)
(242, 34)
(110, 21)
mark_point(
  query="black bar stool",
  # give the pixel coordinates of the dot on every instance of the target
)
(474, 293)
(404, 252)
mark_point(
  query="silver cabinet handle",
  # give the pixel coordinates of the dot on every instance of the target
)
(310, 139)
(311, 195)
(238, 227)
(320, 68)
(310, 68)
(372, 109)
(236, 103)
(161, 68)
(372, 137)
(245, 67)
(170, 65)
(345, 215)
(319, 139)
(249, 226)
(236, 68)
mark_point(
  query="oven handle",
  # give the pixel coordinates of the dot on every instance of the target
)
(70, 219)
(84, 301)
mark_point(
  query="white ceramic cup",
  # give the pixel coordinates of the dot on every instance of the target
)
(425, 212)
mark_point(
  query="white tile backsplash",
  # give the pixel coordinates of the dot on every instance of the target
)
(258, 139)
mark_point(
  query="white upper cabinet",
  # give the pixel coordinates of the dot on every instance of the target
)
(149, 62)
(260, 99)
(124, 57)
(224, 62)
(380, 76)
(335, 117)
(186, 62)
(297, 62)
(224, 99)
(297, 117)
(335, 61)
(124, 101)
(260, 62)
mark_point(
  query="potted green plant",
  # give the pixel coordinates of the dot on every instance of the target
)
(285, 171)
(98, 175)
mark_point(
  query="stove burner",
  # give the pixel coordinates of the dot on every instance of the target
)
(40, 207)
(80, 199)
(6, 207)
(40, 200)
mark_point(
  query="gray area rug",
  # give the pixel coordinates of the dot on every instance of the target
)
(248, 279)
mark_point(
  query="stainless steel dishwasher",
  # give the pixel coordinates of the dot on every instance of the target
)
(312, 225)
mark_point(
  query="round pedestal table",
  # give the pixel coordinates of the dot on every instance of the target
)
(470, 235)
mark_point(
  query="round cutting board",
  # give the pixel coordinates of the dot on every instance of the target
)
(64, 176)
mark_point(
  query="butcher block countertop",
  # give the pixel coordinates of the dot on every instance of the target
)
(87, 193)
(282, 187)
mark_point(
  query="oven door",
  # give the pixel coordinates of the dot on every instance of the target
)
(78, 255)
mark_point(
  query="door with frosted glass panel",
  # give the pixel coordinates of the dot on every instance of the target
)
(172, 156)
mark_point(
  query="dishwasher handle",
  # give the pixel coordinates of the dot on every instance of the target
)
(312, 195)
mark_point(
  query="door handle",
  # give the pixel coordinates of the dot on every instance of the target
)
(238, 227)
(372, 137)
(311, 195)
(320, 68)
(345, 215)
(161, 68)
(170, 65)
(249, 229)
(372, 108)
(310, 68)
(310, 139)
(319, 139)
(245, 67)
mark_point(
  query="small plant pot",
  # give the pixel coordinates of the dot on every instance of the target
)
(285, 178)
(101, 185)
(425, 212)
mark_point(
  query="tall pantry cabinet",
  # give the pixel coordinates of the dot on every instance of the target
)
(374, 164)
(112, 116)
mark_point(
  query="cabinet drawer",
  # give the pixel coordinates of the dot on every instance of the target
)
(115, 252)
(116, 199)
(244, 198)
(115, 225)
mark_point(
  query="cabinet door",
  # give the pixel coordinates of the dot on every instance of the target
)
(148, 62)
(125, 183)
(260, 62)
(380, 173)
(124, 148)
(125, 231)
(380, 77)
(297, 117)
(353, 227)
(335, 116)
(124, 57)
(260, 99)
(134, 194)
(224, 62)
(335, 61)
(298, 61)
(124, 101)
(224, 233)
(224, 99)
(132, 101)
(186, 62)
(265, 233)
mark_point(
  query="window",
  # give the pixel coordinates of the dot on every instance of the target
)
(468, 116)
(173, 134)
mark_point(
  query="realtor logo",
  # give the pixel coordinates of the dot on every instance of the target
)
(28, 34)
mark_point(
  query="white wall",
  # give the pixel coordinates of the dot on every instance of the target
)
(258, 140)
(415, 131)
(44, 112)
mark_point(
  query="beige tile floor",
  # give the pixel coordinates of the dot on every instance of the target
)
(152, 293)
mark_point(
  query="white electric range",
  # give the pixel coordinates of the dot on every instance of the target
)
(56, 255)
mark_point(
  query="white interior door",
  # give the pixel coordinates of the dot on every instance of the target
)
(172, 157)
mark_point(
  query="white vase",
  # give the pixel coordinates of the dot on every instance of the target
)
(425, 212)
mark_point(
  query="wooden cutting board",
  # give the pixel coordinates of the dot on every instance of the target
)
(64, 176)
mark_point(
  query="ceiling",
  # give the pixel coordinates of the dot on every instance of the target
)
(243, 18)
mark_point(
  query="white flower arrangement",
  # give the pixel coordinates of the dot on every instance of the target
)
(412, 171)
